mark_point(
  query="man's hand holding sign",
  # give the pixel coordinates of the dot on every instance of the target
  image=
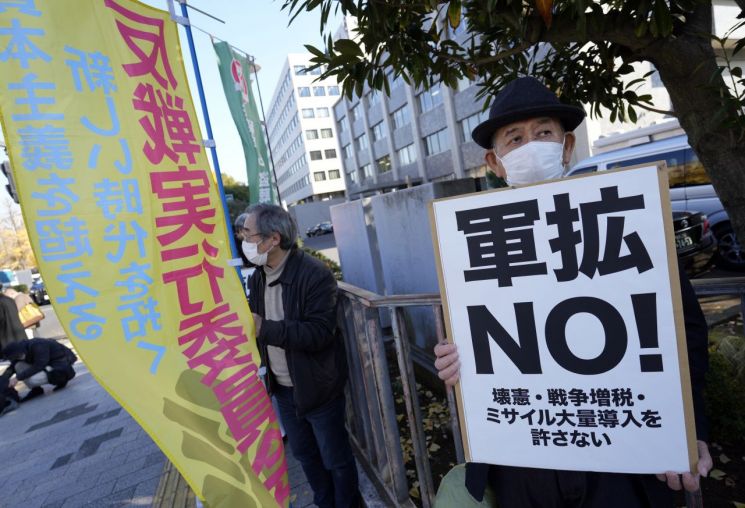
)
(564, 303)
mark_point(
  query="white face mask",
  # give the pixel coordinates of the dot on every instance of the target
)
(251, 251)
(533, 162)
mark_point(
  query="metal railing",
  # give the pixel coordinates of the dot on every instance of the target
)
(371, 413)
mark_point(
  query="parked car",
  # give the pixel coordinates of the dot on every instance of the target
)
(322, 228)
(38, 291)
(694, 241)
(690, 188)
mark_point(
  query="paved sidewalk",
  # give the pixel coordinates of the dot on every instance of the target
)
(76, 447)
(79, 448)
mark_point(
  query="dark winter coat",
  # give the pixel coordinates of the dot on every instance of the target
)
(39, 354)
(308, 333)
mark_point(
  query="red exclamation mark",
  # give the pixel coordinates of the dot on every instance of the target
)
(645, 312)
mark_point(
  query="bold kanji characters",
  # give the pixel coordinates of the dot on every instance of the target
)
(557, 397)
(501, 396)
(45, 147)
(20, 47)
(564, 217)
(520, 397)
(500, 241)
(144, 32)
(622, 397)
(540, 437)
(30, 86)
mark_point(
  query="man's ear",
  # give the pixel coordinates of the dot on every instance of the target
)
(276, 238)
(491, 160)
(569, 142)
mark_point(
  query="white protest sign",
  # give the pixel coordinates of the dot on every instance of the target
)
(564, 301)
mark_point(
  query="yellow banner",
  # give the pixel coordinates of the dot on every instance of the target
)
(127, 225)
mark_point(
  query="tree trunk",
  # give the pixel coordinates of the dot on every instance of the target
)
(688, 68)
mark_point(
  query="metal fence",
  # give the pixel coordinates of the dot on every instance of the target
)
(371, 412)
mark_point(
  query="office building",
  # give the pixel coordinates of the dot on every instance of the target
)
(303, 136)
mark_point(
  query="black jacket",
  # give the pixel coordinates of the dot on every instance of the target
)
(11, 328)
(39, 354)
(697, 340)
(308, 333)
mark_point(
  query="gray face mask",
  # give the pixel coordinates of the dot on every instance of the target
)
(533, 162)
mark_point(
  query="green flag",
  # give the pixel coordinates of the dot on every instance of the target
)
(235, 72)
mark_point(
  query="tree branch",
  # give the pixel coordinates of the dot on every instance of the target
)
(607, 27)
(655, 110)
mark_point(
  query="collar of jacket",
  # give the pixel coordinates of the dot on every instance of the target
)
(291, 267)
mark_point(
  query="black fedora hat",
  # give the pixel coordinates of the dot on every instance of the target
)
(521, 99)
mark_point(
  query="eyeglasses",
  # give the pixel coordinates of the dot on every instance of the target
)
(243, 233)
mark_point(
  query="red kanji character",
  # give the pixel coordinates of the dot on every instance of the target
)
(271, 452)
(190, 199)
(246, 413)
(222, 355)
(212, 326)
(178, 124)
(144, 100)
(134, 38)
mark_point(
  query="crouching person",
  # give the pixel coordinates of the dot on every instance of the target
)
(38, 362)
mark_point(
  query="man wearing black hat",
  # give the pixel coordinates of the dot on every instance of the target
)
(528, 139)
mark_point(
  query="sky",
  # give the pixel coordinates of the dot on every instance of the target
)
(257, 27)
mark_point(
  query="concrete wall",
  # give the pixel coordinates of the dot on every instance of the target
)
(406, 251)
(309, 214)
(357, 245)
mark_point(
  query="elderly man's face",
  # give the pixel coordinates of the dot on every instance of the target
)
(517, 134)
(251, 234)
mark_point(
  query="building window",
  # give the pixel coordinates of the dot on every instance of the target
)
(464, 82)
(343, 124)
(429, 99)
(319, 176)
(348, 151)
(361, 142)
(315, 72)
(327, 133)
(367, 172)
(322, 112)
(333, 90)
(357, 112)
(406, 155)
(311, 134)
(373, 98)
(469, 123)
(378, 131)
(384, 164)
(319, 91)
(401, 117)
(397, 81)
(352, 176)
(437, 142)
(303, 91)
(334, 174)
(330, 154)
(315, 155)
(299, 70)
(308, 113)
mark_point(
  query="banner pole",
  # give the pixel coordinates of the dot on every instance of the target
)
(210, 141)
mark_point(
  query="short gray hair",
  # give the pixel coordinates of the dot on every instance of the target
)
(274, 219)
(240, 221)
